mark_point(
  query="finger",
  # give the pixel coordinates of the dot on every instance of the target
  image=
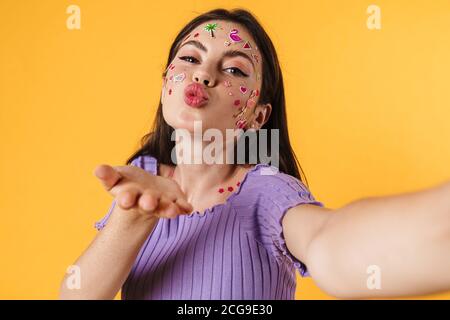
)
(107, 176)
(127, 198)
(126, 171)
(170, 196)
(184, 205)
(167, 208)
(149, 201)
(172, 210)
(164, 203)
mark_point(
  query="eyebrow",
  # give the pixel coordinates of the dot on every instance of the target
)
(227, 54)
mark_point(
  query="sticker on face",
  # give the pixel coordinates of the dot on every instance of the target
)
(247, 46)
(169, 67)
(227, 83)
(241, 123)
(249, 105)
(243, 89)
(254, 93)
(211, 27)
(233, 35)
(179, 77)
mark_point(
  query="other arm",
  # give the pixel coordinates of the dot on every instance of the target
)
(404, 239)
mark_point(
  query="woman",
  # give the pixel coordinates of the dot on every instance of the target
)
(181, 227)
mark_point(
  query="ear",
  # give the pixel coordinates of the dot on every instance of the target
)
(261, 114)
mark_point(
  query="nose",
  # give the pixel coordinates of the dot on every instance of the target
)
(203, 78)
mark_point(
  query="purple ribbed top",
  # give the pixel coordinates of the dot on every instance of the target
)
(233, 250)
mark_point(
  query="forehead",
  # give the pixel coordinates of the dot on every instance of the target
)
(222, 29)
(225, 38)
(222, 34)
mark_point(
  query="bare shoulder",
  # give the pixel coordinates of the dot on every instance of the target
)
(300, 226)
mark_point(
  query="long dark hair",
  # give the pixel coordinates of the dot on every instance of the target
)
(158, 142)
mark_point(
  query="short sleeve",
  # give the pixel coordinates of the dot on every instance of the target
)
(282, 193)
(147, 163)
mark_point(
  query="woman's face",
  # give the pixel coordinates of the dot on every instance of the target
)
(223, 59)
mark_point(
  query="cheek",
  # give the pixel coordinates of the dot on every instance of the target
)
(175, 76)
(240, 96)
(242, 115)
(237, 93)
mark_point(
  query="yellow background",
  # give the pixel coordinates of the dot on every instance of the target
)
(368, 110)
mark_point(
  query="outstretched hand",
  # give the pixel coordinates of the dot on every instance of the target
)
(138, 191)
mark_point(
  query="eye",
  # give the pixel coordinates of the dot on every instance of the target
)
(187, 58)
(234, 70)
(237, 71)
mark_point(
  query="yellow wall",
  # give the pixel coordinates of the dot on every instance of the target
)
(368, 110)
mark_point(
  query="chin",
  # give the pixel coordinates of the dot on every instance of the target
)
(184, 126)
(181, 123)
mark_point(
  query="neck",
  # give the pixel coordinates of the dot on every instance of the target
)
(197, 177)
(196, 180)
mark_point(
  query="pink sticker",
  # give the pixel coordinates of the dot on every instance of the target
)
(196, 35)
(241, 123)
(254, 93)
(170, 92)
(243, 89)
(237, 102)
(233, 35)
(227, 83)
(250, 103)
(230, 93)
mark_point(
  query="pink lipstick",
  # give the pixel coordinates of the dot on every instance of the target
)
(195, 96)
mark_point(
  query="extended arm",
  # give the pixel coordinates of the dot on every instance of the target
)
(378, 246)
